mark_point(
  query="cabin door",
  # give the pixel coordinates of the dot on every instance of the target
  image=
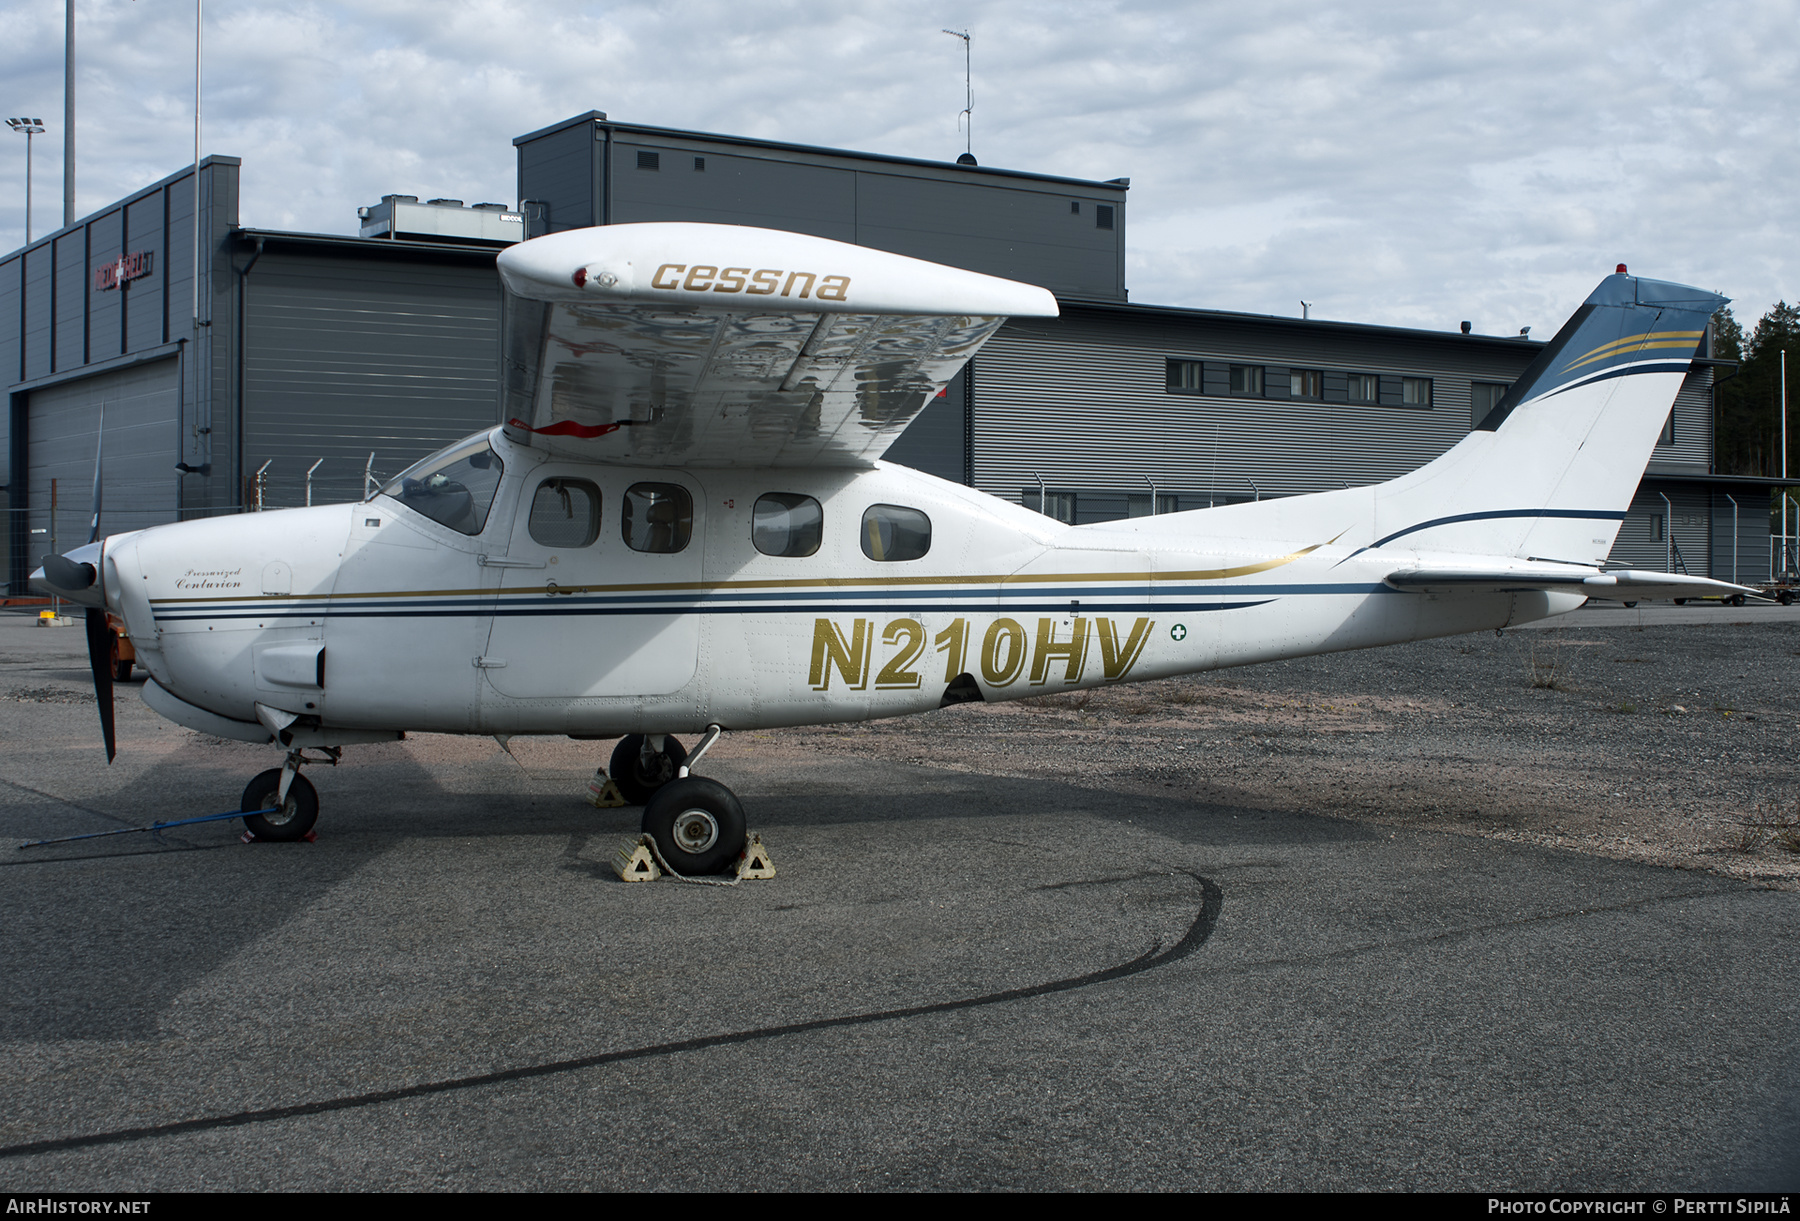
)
(600, 587)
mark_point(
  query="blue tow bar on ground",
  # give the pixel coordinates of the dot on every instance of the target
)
(155, 826)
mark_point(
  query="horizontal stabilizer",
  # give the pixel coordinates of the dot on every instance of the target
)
(1617, 585)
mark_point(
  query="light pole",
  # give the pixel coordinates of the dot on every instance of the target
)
(28, 128)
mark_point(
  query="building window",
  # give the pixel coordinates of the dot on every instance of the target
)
(1060, 505)
(1656, 528)
(649, 161)
(658, 517)
(787, 524)
(1362, 387)
(1667, 436)
(1306, 384)
(700, 164)
(1415, 391)
(1186, 375)
(891, 533)
(565, 513)
(1139, 506)
(1483, 398)
(1074, 207)
(1103, 216)
(1247, 381)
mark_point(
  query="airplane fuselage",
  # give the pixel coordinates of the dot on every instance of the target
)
(570, 611)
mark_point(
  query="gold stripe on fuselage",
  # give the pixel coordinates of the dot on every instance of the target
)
(1121, 578)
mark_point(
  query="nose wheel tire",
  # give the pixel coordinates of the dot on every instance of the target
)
(296, 815)
(638, 776)
(697, 824)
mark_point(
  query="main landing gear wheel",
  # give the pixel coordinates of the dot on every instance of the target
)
(697, 824)
(296, 815)
(640, 772)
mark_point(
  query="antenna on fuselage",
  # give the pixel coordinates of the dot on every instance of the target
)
(968, 110)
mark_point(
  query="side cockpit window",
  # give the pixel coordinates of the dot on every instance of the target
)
(787, 524)
(565, 513)
(658, 517)
(891, 533)
(454, 487)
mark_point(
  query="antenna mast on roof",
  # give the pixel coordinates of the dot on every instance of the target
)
(968, 157)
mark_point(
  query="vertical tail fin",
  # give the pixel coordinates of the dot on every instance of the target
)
(1551, 470)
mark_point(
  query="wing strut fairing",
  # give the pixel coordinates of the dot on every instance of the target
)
(721, 345)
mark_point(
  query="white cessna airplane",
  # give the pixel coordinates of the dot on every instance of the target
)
(684, 526)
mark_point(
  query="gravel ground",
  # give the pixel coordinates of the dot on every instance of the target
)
(1666, 745)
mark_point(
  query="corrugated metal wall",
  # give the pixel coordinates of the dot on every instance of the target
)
(1690, 523)
(346, 355)
(1692, 446)
(1044, 231)
(1083, 402)
(72, 337)
(141, 448)
(1750, 562)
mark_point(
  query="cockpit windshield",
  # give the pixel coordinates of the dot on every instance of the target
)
(454, 487)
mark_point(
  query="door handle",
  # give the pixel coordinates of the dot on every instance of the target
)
(498, 561)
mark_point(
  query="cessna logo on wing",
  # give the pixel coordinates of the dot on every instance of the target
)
(760, 283)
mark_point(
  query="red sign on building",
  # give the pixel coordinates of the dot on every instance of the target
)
(121, 270)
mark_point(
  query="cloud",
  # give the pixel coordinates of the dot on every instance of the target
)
(1407, 163)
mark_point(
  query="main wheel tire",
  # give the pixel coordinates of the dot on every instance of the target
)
(1735, 600)
(697, 824)
(1629, 605)
(121, 671)
(296, 815)
(639, 780)
(1680, 601)
(1785, 597)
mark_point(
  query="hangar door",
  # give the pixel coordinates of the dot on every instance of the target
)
(345, 357)
(141, 450)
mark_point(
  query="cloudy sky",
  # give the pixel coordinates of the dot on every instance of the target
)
(1405, 163)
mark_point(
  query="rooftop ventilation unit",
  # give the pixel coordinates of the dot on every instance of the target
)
(404, 218)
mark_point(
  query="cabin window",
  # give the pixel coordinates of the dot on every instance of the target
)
(454, 487)
(657, 517)
(891, 533)
(787, 524)
(565, 513)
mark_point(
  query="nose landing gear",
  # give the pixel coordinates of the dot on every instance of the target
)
(280, 804)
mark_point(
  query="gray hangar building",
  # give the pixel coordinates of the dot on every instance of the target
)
(304, 364)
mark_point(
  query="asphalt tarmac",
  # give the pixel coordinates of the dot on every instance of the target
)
(957, 981)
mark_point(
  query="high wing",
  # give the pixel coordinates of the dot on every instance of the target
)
(1617, 584)
(676, 344)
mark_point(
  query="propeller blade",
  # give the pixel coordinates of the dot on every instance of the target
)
(68, 574)
(100, 660)
(99, 448)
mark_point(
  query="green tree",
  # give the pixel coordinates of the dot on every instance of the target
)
(1747, 426)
